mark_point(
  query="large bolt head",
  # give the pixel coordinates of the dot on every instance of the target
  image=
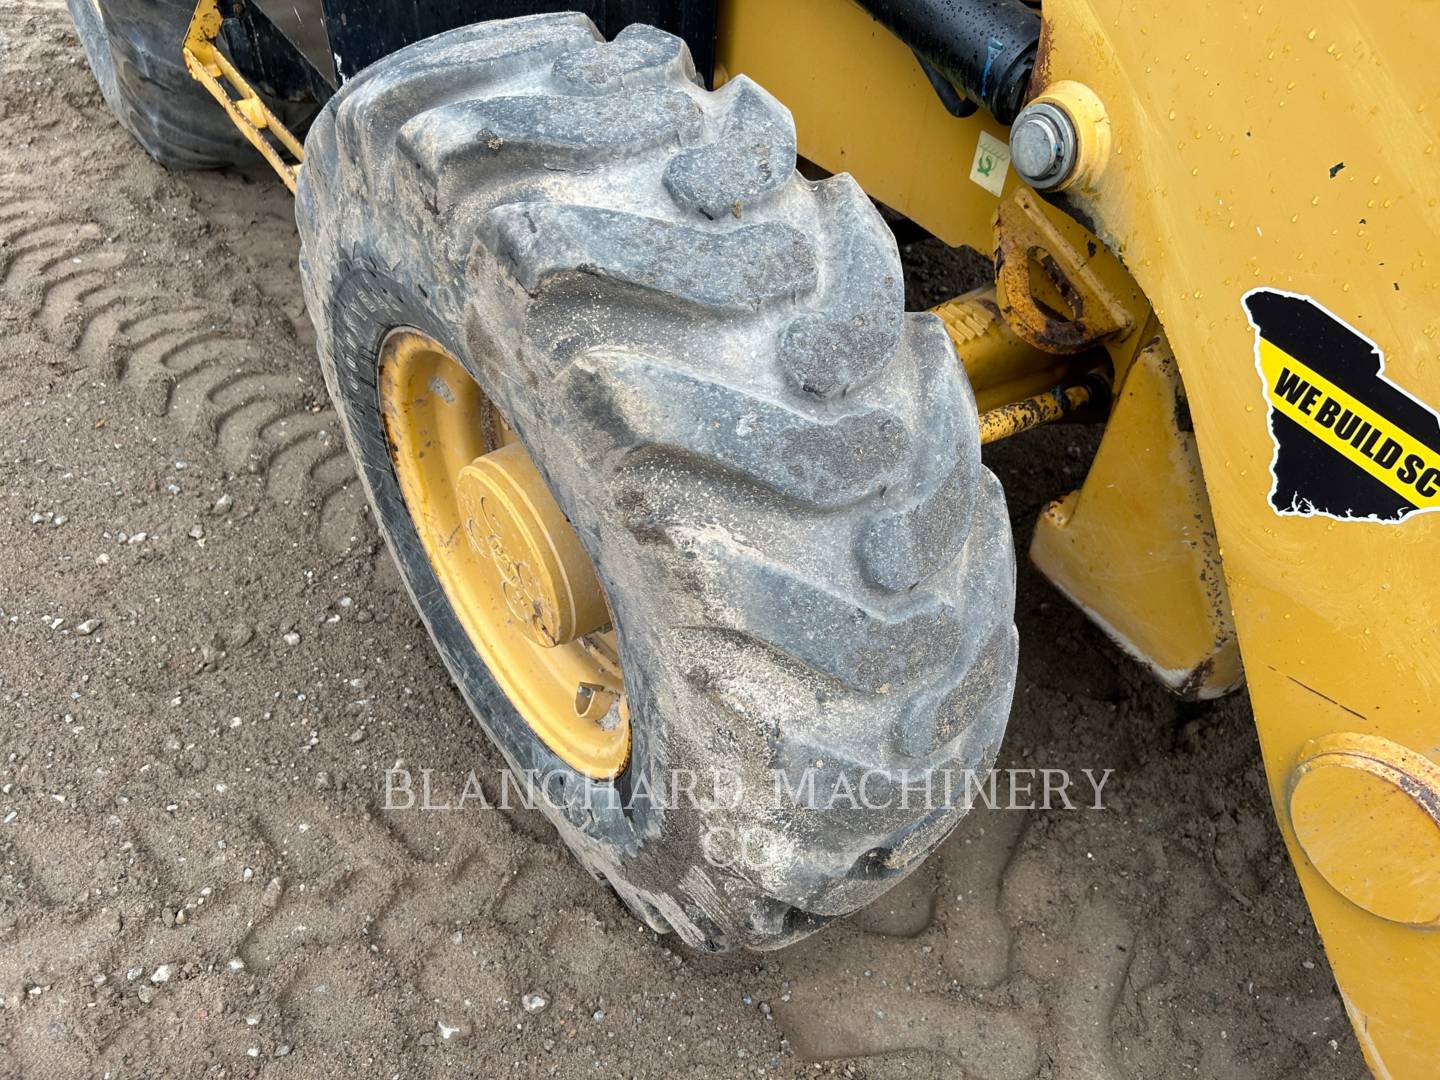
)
(1043, 145)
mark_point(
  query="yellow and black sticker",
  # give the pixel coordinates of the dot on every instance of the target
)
(1349, 443)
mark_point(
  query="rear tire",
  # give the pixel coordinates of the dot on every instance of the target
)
(775, 471)
(134, 49)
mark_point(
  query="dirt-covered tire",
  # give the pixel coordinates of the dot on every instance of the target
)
(134, 51)
(774, 469)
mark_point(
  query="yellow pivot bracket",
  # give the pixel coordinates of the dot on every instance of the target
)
(247, 111)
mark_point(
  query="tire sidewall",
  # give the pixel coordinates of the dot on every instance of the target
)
(368, 305)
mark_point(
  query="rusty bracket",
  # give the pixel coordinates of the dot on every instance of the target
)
(1050, 288)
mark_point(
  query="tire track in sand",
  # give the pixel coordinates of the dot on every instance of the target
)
(246, 390)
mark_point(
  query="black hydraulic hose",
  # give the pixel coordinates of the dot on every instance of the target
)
(985, 48)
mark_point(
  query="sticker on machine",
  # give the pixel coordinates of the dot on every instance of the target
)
(1349, 443)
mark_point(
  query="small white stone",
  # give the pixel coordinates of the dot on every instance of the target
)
(162, 973)
(459, 1031)
(292, 638)
(534, 1003)
(88, 627)
(236, 964)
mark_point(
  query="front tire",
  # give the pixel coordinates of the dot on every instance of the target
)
(774, 470)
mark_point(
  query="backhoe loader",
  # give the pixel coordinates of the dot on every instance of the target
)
(678, 486)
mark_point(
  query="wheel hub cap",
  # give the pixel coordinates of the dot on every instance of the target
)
(511, 519)
(514, 572)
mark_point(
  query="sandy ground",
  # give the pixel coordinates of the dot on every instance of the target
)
(196, 872)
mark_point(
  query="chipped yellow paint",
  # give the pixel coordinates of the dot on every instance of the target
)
(208, 66)
(1294, 149)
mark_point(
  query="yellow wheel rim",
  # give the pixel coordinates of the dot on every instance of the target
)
(510, 563)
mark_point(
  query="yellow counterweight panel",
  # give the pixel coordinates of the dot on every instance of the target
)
(1295, 148)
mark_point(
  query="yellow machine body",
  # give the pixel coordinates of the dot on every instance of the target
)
(1264, 147)
(1297, 151)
